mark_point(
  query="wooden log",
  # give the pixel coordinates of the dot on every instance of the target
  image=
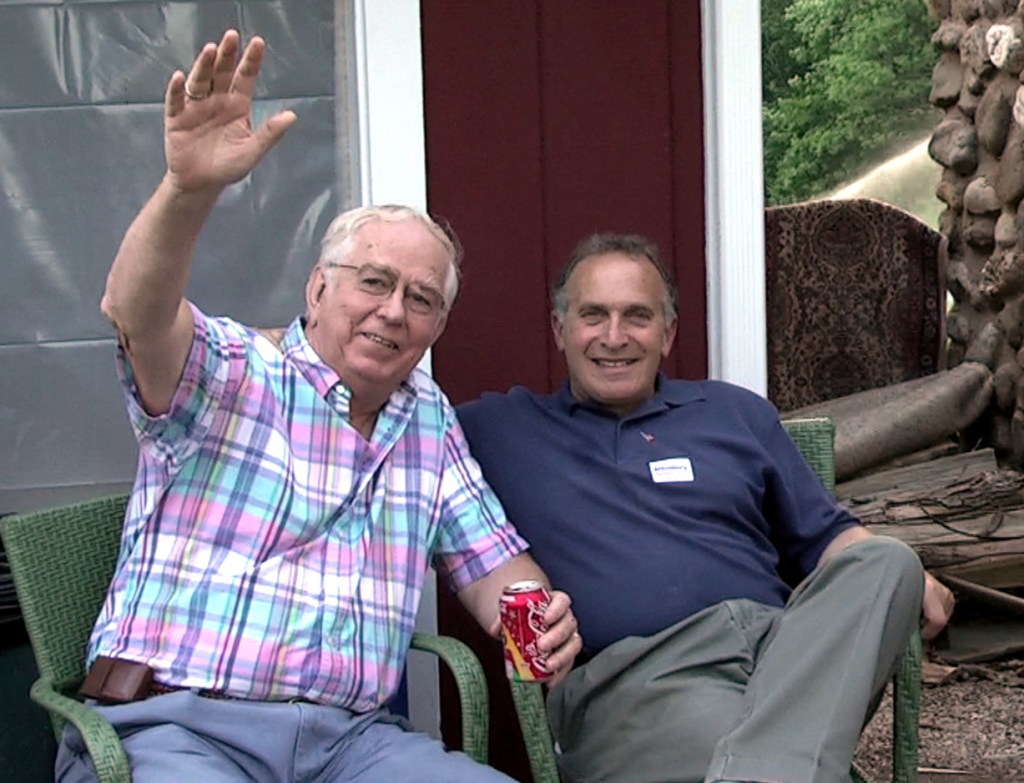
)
(965, 555)
(994, 570)
(997, 598)
(880, 424)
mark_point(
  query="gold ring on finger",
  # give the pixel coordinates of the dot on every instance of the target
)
(195, 96)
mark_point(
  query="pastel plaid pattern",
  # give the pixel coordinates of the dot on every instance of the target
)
(269, 550)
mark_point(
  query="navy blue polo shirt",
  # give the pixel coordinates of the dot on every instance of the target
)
(696, 497)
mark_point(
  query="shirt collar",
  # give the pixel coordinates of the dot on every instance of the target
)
(666, 395)
(297, 348)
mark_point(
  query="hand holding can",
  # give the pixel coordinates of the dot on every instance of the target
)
(522, 623)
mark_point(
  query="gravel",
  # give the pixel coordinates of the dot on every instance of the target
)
(972, 728)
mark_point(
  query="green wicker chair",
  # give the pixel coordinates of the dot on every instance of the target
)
(62, 561)
(814, 437)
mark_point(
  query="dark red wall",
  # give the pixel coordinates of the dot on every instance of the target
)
(547, 121)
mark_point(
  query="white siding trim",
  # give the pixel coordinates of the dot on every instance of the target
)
(393, 170)
(734, 192)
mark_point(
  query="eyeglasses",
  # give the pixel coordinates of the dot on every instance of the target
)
(381, 282)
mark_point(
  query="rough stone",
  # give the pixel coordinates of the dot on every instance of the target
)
(1010, 177)
(955, 144)
(1001, 434)
(947, 37)
(947, 81)
(980, 197)
(1018, 106)
(958, 329)
(1011, 321)
(1020, 220)
(969, 100)
(974, 49)
(993, 9)
(1002, 41)
(1003, 275)
(1014, 61)
(979, 231)
(1004, 385)
(940, 8)
(985, 346)
(1006, 229)
(958, 281)
(967, 10)
(974, 83)
(992, 119)
(950, 189)
(949, 222)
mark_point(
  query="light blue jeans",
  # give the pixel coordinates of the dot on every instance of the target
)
(184, 737)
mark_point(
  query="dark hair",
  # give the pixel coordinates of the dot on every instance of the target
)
(632, 245)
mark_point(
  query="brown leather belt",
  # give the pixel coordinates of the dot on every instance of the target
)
(117, 681)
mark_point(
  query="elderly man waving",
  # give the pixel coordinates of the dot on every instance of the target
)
(290, 494)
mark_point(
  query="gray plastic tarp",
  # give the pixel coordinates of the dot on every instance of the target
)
(81, 149)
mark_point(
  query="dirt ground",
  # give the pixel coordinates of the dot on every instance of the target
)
(972, 728)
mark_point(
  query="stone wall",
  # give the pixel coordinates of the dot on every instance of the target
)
(978, 82)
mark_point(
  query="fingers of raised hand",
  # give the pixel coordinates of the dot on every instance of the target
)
(244, 78)
(214, 70)
(199, 82)
(223, 66)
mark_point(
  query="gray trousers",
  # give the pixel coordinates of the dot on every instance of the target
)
(743, 691)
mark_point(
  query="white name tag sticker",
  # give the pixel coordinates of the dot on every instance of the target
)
(674, 469)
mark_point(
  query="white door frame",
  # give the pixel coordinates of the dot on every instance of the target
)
(388, 82)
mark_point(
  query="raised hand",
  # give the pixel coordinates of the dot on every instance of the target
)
(209, 140)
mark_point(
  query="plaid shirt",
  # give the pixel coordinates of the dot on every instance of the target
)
(269, 550)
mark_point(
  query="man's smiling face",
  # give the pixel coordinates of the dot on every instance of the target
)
(615, 331)
(373, 341)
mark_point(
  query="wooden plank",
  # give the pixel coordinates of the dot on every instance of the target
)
(941, 471)
(957, 532)
(990, 493)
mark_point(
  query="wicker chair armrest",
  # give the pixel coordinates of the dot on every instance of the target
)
(100, 738)
(906, 705)
(533, 722)
(472, 687)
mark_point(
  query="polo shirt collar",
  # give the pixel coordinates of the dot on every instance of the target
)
(666, 395)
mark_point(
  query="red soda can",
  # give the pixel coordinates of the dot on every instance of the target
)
(522, 622)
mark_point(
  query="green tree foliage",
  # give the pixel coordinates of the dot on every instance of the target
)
(846, 83)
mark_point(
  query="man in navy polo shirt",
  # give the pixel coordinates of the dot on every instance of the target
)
(737, 622)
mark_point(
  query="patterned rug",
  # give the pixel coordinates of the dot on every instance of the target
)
(855, 299)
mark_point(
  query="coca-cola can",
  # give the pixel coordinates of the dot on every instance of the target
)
(522, 623)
